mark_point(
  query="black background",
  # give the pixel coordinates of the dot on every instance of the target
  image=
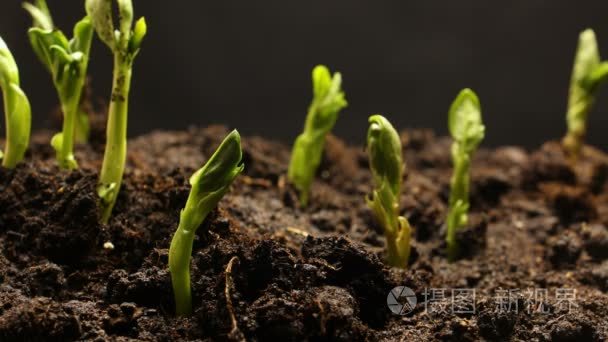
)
(247, 63)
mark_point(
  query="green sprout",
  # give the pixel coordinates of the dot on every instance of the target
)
(587, 75)
(384, 150)
(17, 110)
(67, 61)
(209, 184)
(323, 112)
(125, 43)
(467, 130)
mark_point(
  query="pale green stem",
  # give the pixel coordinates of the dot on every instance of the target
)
(577, 124)
(398, 244)
(116, 135)
(179, 266)
(459, 190)
(459, 184)
(12, 154)
(65, 155)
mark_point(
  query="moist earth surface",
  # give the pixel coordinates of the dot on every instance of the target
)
(533, 262)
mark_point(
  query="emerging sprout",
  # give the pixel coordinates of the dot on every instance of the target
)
(587, 75)
(67, 61)
(125, 43)
(384, 149)
(17, 110)
(209, 184)
(467, 130)
(322, 114)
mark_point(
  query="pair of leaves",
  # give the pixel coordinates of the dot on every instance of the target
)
(126, 40)
(67, 62)
(327, 102)
(65, 59)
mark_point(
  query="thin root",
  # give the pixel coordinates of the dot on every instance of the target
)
(235, 333)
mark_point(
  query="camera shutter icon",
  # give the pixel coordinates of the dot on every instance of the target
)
(401, 300)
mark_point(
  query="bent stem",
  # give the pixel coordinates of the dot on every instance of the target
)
(116, 138)
(64, 142)
(179, 267)
(17, 116)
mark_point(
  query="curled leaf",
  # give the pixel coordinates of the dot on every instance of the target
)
(384, 150)
(464, 120)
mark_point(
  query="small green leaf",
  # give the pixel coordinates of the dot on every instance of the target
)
(43, 42)
(321, 80)
(464, 119)
(598, 76)
(40, 14)
(139, 33)
(83, 36)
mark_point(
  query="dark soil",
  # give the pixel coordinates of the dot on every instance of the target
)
(265, 270)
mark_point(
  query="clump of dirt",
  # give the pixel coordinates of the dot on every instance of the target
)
(534, 261)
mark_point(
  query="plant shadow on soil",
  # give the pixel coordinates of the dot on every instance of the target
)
(300, 274)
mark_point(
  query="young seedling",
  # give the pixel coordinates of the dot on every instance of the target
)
(209, 184)
(323, 112)
(125, 43)
(587, 75)
(67, 61)
(17, 110)
(384, 150)
(467, 130)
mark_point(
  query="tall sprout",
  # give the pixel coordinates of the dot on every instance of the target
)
(588, 73)
(467, 130)
(387, 166)
(67, 62)
(125, 43)
(322, 114)
(209, 185)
